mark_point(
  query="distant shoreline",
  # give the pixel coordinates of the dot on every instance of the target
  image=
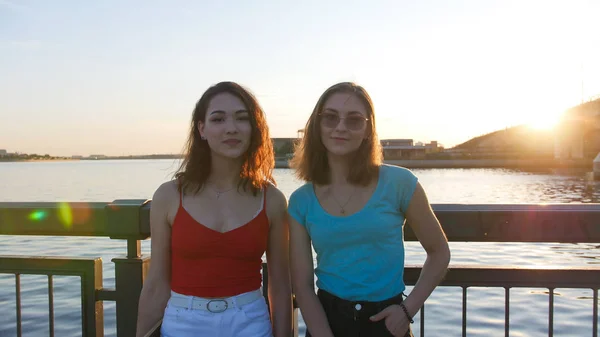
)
(495, 163)
(408, 163)
(482, 163)
(34, 160)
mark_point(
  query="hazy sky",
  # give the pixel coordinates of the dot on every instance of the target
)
(122, 77)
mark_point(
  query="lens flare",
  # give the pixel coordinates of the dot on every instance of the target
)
(65, 215)
(80, 213)
(37, 215)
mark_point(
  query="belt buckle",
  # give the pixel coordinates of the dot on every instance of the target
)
(214, 307)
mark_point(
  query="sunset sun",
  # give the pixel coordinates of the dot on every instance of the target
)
(543, 121)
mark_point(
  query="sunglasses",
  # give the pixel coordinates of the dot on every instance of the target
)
(331, 121)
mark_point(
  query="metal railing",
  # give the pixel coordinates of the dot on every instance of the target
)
(558, 223)
(120, 219)
(513, 277)
(129, 220)
(90, 271)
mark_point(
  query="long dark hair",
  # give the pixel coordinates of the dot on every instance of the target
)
(310, 156)
(259, 160)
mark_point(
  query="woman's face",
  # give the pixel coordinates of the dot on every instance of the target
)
(343, 122)
(226, 127)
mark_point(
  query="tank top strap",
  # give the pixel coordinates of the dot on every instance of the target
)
(180, 188)
(265, 199)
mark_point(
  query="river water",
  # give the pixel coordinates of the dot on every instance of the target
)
(137, 179)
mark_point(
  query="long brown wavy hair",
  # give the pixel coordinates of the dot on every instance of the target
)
(259, 160)
(310, 156)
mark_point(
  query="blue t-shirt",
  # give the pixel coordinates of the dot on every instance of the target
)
(360, 257)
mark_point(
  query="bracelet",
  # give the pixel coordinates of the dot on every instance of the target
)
(406, 312)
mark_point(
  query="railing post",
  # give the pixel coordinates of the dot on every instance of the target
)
(127, 221)
(92, 309)
(129, 279)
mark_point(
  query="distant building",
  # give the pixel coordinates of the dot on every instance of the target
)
(283, 147)
(404, 149)
(76, 157)
(396, 142)
(433, 147)
(97, 156)
(3, 152)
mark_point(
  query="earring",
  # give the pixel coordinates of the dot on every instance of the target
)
(202, 137)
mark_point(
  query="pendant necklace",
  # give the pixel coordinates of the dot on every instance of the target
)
(342, 207)
(218, 193)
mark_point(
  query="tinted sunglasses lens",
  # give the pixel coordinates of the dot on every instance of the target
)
(355, 123)
(330, 120)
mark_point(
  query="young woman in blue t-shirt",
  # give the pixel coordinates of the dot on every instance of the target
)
(353, 209)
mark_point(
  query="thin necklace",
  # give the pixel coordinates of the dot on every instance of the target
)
(342, 207)
(217, 192)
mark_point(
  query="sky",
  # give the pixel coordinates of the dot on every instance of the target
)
(122, 77)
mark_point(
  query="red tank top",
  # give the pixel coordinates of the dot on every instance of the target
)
(208, 263)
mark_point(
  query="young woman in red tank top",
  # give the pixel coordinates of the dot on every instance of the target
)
(213, 223)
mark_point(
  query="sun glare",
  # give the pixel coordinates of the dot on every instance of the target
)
(546, 120)
(544, 123)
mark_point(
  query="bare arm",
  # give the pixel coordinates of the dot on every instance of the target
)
(157, 286)
(303, 281)
(427, 228)
(280, 290)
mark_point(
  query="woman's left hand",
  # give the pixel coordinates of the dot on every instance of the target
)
(395, 320)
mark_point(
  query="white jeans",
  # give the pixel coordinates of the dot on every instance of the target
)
(249, 320)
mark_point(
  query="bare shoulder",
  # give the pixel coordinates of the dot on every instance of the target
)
(165, 201)
(166, 192)
(275, 196)
(276, 201)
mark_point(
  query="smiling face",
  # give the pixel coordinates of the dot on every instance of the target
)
(226, 126)
(343, 122)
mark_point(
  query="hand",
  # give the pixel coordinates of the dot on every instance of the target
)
(395, 320)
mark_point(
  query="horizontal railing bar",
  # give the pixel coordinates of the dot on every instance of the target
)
(35, 265)
(589, 207)
(107, 294)
(493, 276)
(578, 223)
(129, 219)
(52, 218)
(498, 276)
